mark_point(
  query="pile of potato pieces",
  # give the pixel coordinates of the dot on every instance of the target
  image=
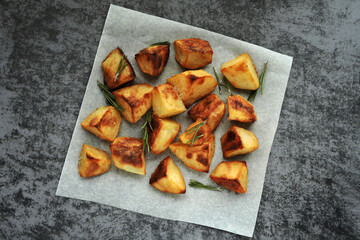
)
(169, 99)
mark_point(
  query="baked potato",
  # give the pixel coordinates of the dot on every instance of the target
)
(240, 109)
(152, 60)
(104, 123)
(168, 178)
(93, 161)
(204, 131)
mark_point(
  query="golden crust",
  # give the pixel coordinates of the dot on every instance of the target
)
(93, 161)
(127, 154)
(110, 66)
(193, 53)
(211, 109)
(240, 109)
(104, 123)
(232, 175)
(166, 102)
(168, 178)
(152, 60)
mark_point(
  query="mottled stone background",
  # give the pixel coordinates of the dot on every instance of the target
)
(312, 185)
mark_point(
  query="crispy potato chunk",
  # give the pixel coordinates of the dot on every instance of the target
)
(195, 157)
(211, 109)
(153, 59)
(168, 178)
(127, 154)
(188, 134)
(193, 53)
(193, 85)
(166, 101)
(241, 72)
(163, 134)
(238, 141)
(93, 161)
(136, 100)
(232, 175)
(240, 109)
(110, 66)
(104, 123)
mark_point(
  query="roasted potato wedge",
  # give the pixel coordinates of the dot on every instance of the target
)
(127, 154)
(195, 157)
(93, 161)
(193, 85)
(135, 100)
(189, 133)
(193, 53)
(211, 109)
(232, 175)
(238, 141)
(152, 60)
(166, 102)
(240, 109)
(110, 66)
(168, 178)
(104, 123)
(241, 72)
(163, 134)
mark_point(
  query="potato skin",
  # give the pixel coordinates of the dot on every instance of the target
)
(104, 123)
(232, 175)
(168, 178)
(193, 85)
(93, 161)
(127, 154)
(163, 134)
(193, 53)
(135, 100)
(110, 66)
(153, 59)
(211, 109)
(240, 109)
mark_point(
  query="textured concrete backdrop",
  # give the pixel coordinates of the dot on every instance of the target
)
(312, 182)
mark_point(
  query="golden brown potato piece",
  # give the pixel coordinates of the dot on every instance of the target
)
(193, 53)
(166, 101)
(188, 134)
(168, 178)
(110, 66)
(211, 109)
(241, 72)
(163, 134)
(104, 123)
(153, 59)
(195, 157)
(135, 100)
(240, 109)
(232, 175)
(193, 85)
(238, 141)
(127, 154)
(93, 161)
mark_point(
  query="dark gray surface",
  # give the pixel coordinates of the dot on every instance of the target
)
(312, 181)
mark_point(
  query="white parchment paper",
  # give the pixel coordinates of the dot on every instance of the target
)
(226, 210)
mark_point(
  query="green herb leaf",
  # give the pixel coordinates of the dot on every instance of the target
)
(194, 129)
(110, 97)
(121, 67)
(145, 134)
(253, 93)
(225, 83)
(160, 43)
(197, 184)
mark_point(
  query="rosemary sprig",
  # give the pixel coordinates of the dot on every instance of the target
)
(253, 93)
(160, 43)
(194, 129)
(144, 128)
(110, 97)
(225, 83)
(121, 67)
(197, 184)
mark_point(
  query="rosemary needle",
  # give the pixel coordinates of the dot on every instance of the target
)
(145, 134)
(110, 97)
(121, 67)
(160, 43)
(197, 184)
(194, 129)
(225, 83)
(253, 93)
